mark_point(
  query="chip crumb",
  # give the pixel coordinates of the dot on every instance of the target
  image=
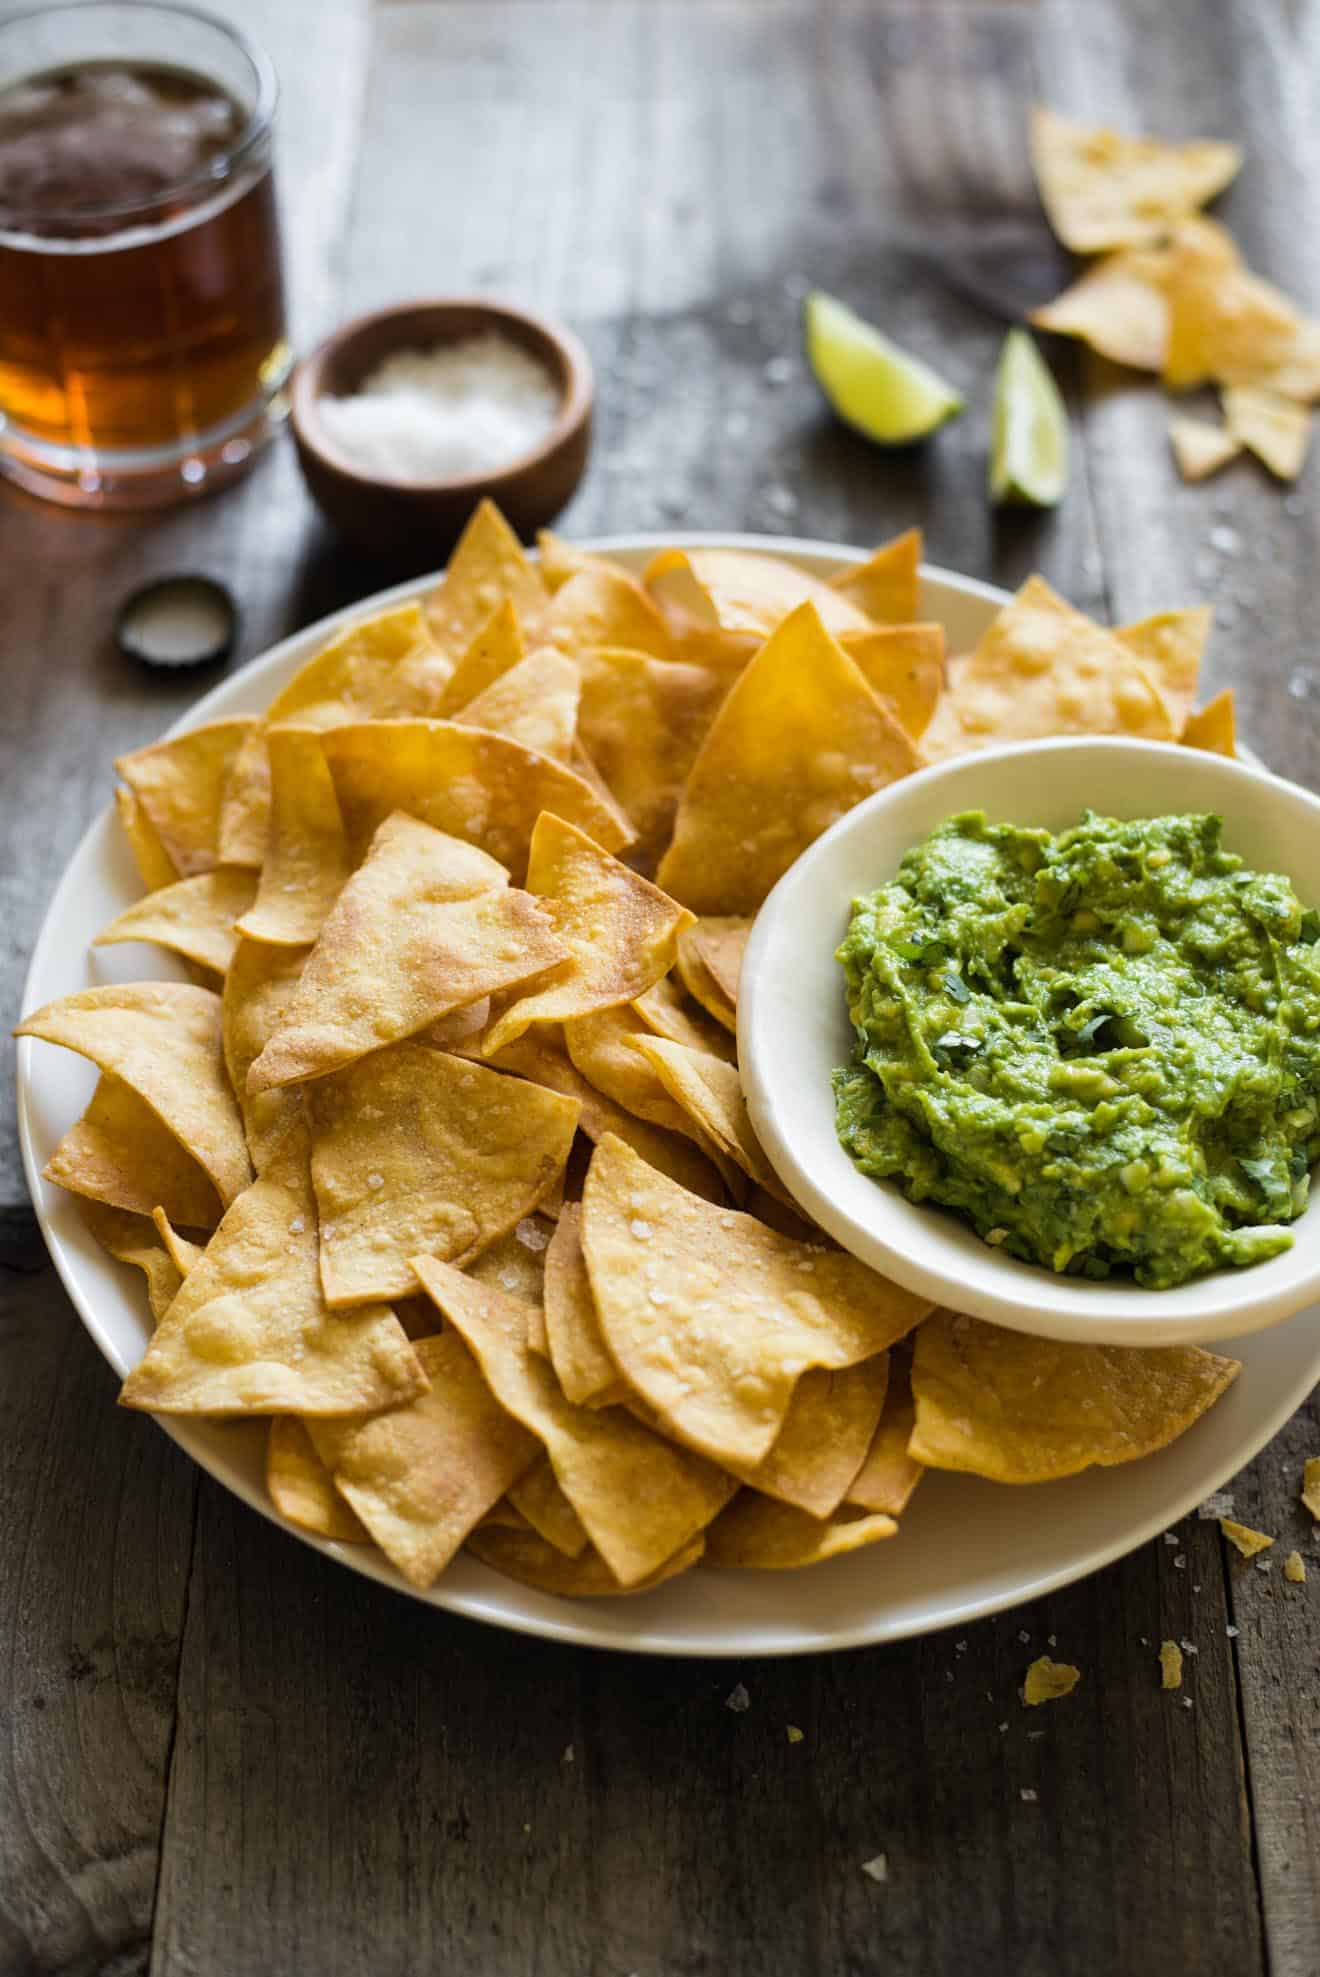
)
(792, 1732)
(1243, 1538)
(738, 1699)
(877, 1867)
(1028, 1795)
(1171, 1665)
(1294, 1568)
(1311, 1486)
(1048, 1679)
(1218, 1504)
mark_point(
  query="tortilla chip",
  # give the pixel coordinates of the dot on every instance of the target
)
(799, 740)
(487, 567)
(1310, 1493)
(1170, 645)
(640, 1498)
(193, 917)
(560, 560)
(543, 1505)
(667, 1011)
(1101, 189)
(515, 1263)
(1200, 448)
(1276, 429)
(1043, 668)
(710, 1092)
(1018, 1409)
(603, 1049)
(606, 606)
(481, 787)
(535, 703)
(831, 1423)
(904, 667)
(120, 1153)
(1119, 308)
(417, 1152)
(713, 1318)
(162, 1039)
(1214, 726)
(384, 667)
(183, 1253)
(1243, 1538)
(642, 721)
(1171, 1665)
(1225, 324)
(496, 649)
(422, 1476)
(258, 990)
(133, 1239)
(717, 943)
(889, 1474)
(427, 924)
(306, 863)
(1294, 1569)
(155, 866)
(702, 986)
(886, 587)
(746, 595)
(249, 1332)
(620, 931)
(1048, 1680)
(578, 1353)
(758, 1533)
(179, 785)
(245, 802)
(302, 1488)
(524, 1556)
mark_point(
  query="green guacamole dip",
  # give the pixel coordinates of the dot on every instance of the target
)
(1101, 1048)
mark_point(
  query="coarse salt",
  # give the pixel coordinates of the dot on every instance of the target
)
(433, 415)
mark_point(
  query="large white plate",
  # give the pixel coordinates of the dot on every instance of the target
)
(965, 1548)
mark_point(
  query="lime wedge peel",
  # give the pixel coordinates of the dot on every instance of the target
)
(1028, 428)
(881, 390)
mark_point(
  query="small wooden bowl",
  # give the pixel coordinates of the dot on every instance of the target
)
(411, 519)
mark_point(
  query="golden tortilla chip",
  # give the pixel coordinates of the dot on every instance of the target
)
(163, 1039)
(245, 802)
(1048, 1680)
(760, 1534)
(534, 703)
(642, 721)
(667, 1011)
(121, 1153)
(1019, 1409)
(133, 1239)
(1171, 1665)
(1169, 646)
(640, 1498)
(746, 595)
(713, 951)
(1310, 1494)
(560, 560)
(1294, 1569)
(481, 787)
(182, 1252)
(543, 1505)
(620, 931)
(179, 785)
(904, 667)
(1200, 448)
(1119, 308)
(425, 925)
(1043, 668)
(193, 917)
(1276, 429)
(830, 1425)
(889, 1474)
(417, 1152)
(515, 1263)
(1101, 189)
(487, 568)
(526, 1557)
(712, 1317)
(886, 588)
(423, 1476)
(606, 606)
(154, 865)
(702, 986)
(604, 1049)
(495, 650)
(249, 1332)
(302, 1488)
(1243, 1538)
(709, 1091)
(1226, 324)
(258, 990)
(381, 668)
(799, 740)
(578, 1353)
(1214, 726)
(307, 862)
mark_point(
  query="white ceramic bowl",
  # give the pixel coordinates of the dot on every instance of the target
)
(793, 1029)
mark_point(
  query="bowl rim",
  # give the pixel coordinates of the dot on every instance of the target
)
(572, 374)
(1113, 1312)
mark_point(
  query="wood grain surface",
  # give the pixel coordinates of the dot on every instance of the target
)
(218, 1752)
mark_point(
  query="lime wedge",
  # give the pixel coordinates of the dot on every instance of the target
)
(881, 390)
(1028, 428)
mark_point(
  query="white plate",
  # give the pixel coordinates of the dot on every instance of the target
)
(965, 1548)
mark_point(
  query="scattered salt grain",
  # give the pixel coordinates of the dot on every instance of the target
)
(738, 1699)
(458, 408)
(639, 1231)
(1027, 1795)
(375, 1180)
(877, 1867)
(778, 371)
(297, 1226)
(1179, 1561)
(1024, 1637)
(569, 1754)
(530, 1235)
(1226, 540)
(1232, 1632)
(1186, 1702)
(1170, 1537)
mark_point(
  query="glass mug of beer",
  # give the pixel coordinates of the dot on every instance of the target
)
(142, 336)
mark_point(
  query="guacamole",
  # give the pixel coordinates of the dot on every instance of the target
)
(1101, 1048)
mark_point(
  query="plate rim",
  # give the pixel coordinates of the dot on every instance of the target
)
(577, 1628)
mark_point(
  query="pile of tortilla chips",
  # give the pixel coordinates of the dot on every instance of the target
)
(439, 1160)
(1170, 293)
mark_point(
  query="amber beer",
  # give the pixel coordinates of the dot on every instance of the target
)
(142, 332)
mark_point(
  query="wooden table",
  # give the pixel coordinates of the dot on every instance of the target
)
(221, 1753)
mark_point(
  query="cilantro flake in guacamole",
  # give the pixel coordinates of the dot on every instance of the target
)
(1101, 1048)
